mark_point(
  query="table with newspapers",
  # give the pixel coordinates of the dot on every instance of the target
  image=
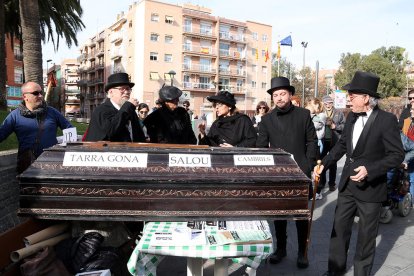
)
(245, 242)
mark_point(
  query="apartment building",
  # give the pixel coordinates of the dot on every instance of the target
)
(69, 89)
(14, 72)
(187, 46)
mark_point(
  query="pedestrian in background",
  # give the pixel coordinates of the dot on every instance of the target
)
(261, 109)
(295, 100)
(407, 110)
(35, 125)
(170, 124)
(186, 105)
(115, 120)
(231, 128)
(142, 112)
(290, 128)
(335, 121)
(372, 144)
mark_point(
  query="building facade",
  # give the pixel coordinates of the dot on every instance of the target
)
(159, 43)
(14, 72)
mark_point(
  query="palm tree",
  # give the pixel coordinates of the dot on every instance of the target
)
(52, 19)
(3, 92)
(32, 47)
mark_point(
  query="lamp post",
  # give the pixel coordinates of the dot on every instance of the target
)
(304, 45)
(328, 79)
(172, 74)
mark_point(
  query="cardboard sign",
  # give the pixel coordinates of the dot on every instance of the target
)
(70, 135)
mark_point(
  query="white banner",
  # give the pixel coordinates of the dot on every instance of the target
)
(189, 160)
(106, 159)
(254, 160)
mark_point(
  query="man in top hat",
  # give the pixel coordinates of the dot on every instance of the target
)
(290, 128)
(115, 120)
(170, 124)
(335, 121)
(372, 144)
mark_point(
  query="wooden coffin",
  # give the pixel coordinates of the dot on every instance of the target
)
(132, 182)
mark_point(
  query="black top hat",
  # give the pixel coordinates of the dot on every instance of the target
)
(169, 93)
(363, 83)
(280, 83)
(118, 79)
(223, 97)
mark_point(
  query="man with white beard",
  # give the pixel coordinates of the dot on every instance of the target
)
(115, 120)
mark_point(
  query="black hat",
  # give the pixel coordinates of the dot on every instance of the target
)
(223, 97)
(118, 79)
(363, 83)
(169, 93)
(280, 83)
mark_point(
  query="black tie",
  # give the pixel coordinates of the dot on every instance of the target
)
(357, 115)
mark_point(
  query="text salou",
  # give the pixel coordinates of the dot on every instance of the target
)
(189, 160)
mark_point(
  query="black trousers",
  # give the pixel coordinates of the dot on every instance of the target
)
(327, 146)
(346, 209)
(281, 235)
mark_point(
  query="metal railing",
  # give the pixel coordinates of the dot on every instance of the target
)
(199, 68)
(207, 50)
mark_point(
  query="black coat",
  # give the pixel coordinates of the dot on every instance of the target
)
(236, 130)
(404, 115)
(379, 149)
(170, 127)
(110, 124)
(292, 131)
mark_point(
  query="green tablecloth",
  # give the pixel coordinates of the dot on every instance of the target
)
(145, 257)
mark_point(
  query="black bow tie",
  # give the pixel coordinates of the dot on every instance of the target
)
(357, 115)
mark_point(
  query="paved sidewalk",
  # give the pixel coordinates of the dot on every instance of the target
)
(394, 254)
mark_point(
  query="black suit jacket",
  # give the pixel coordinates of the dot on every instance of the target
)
(293, 132)
(379, 149)
(110, 124)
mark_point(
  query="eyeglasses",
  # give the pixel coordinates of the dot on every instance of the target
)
(262, 107)
(218, 104)
(353, 96)
(410, 98)
(35, 93)
(123, 89)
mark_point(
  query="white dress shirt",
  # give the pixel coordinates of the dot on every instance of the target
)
(359, 127)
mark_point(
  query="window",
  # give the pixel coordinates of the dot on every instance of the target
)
(155, 17)
(186, 81)
(205, 28)
(264, 37)
(253, 84)
(254, 36)
(263, 53)
(254, 52)
(167, 76)
(205, 83)
(254, 68)
(169, 19)
(264, 85)
(154, 76)
(239, 85)
(168, 57)
(154, 37)
(153, 56)
(187, 63)
(168, 39)
(205, 65)
(264, 69)
(187, 25)
(18, 75)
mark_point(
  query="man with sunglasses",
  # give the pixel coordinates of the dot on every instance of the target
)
(406, 113)
(115, 120)
(35, 125)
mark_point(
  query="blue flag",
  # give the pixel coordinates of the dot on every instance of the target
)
(287, 41)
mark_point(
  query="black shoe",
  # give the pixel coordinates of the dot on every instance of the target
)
(332, 188)
(302, 261)
(277, 257)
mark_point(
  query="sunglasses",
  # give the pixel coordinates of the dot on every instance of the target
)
(262, 107)
(35, 93)
(410, 98)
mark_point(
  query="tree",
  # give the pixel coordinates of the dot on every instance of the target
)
(388, 64)
(3, 91)
(286, 68)
(55, 19)
(32, 47)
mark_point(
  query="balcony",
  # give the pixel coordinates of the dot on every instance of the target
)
(99, 52)
(100, 37)
(116, 53)
(232, 37)
(199, 33)
(82, 57)
(199, 50)
(232, 72)
(82, 82)
(198, 86)
(116, 37)
(90, 96)
(99, 66)
(72, 92)
(199, 68)
(227, 54)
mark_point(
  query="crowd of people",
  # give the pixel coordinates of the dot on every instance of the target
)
(369, 137)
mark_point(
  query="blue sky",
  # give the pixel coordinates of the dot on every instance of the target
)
(330, 27)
